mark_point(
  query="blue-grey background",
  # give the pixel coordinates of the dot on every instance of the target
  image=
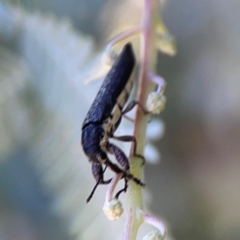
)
(195, 188)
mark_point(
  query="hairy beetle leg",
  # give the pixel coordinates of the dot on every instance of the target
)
(98, 173)
(131, 139)
(129, 119)
(119, 154)
(122, 190)
(122, 160)
(127, 176)
(121, 157)
(131, 105)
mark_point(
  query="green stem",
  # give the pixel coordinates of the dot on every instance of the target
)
(147, 64)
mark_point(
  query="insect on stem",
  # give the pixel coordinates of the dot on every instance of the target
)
(103, 119)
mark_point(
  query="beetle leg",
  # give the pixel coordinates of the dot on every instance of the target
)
(122, 190)
(98, 172)
(131, 105)
(120, 155)
(128, 118)
(122, 160)
(130, 139)
(126, 175)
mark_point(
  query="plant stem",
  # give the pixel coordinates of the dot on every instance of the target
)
(147, 64)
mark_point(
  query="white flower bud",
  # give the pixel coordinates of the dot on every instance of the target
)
(155, 129)
(151, 154)
(113, 209)
(154, 235)
(156, 103)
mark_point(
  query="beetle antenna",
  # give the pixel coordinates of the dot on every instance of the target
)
(97, 183)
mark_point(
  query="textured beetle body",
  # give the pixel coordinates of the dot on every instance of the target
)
(105, 115)
(107, 107)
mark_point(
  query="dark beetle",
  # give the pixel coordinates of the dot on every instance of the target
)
(104, 117)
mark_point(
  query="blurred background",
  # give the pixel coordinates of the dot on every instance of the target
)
(47, 50)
